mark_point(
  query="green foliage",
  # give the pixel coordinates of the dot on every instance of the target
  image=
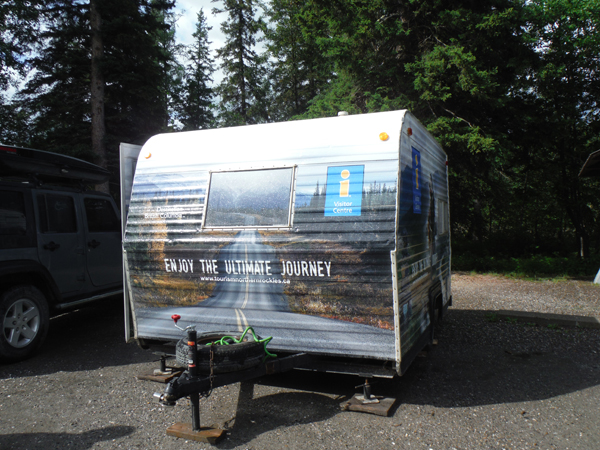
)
(136, 66)
(339, 97)
(298, 71)
(567, 85)
(244, 89)
(137, 88)
(19, 29)
(536, 266)
(56, 98)
(492, 317)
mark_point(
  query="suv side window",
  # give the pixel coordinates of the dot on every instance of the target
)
(57, 214)
(13, 220)
(101, 216)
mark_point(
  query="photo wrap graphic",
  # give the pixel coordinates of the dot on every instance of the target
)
(307, 275)
(344, 191)
(416, 172)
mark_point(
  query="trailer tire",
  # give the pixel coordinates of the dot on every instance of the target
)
(226, 358)
(436, 312)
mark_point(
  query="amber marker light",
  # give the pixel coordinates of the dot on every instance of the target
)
(149, 155)
(409, 131)
(383, 136)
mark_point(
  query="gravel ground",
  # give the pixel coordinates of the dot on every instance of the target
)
(572, 297)
(487, 384)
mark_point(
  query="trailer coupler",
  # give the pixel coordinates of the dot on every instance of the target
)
(188, 384)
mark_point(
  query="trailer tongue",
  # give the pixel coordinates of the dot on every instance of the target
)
(227, 359)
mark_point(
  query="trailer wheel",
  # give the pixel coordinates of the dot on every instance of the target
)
(435, 315)
(25, 322)
(226, 358)
(438, 312)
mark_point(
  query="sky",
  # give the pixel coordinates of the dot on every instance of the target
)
(186, 25)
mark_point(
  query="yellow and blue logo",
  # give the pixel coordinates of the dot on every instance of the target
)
(344, 191)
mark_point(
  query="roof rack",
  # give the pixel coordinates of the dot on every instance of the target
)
(40, 166)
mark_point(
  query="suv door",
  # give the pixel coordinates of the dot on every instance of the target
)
(60, 242)
(103, 241)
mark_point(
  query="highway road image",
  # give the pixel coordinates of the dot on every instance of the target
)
(249, 291)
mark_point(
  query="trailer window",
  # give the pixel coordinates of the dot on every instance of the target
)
(250, 198)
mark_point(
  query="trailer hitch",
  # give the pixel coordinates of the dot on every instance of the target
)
(193, 385)
(189, 383)
(164, 399)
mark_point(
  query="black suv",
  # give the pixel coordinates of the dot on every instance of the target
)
(60, 244)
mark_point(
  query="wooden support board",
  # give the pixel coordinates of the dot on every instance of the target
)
(381, 409)
(160, 377)
(184, 431)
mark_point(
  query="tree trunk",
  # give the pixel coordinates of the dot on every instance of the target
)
(97, 92)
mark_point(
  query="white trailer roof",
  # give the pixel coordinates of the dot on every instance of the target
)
(344, 138)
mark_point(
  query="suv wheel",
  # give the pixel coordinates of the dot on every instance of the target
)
(25, 321)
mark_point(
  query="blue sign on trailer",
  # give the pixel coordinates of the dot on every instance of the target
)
(344, 191)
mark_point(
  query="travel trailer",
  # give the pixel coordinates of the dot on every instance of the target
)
(330, 236)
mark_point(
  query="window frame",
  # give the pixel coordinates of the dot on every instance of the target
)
(109, 206)
(289, 226)
(44, 216)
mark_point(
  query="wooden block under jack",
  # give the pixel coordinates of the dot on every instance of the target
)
(381, 408)
(160, 377)
(184, 431)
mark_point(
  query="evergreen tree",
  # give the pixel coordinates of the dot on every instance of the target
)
(298, 69)
(567, 129)
(19, 30)
(98, 126)
(139, 66)
(451, 63)
(244, 89)
(134, 63)
(56, 98)
(195, 107)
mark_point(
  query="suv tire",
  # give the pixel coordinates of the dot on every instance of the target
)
(24, 319)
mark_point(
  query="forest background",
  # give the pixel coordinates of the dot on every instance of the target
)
(510, 88)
